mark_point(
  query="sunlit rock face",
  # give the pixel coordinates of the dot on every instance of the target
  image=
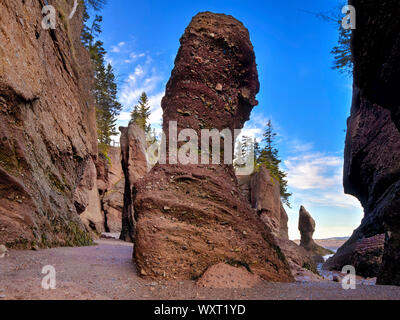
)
(191, 217)
(47, 128)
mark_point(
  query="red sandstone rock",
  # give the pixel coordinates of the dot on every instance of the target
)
(364, 255)
(47, 127)
(191, 217)
(135, 166)
(224, 276)
(266, 199)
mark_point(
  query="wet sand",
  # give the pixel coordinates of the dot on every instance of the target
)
(106, 271)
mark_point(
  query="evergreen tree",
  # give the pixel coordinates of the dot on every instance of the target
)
(141, 113)
(105, 87)
(268, 157)
(342, 56)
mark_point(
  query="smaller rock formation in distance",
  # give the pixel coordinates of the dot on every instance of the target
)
(307, 229)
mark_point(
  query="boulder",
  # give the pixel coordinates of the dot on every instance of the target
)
(47, 127)
(225, 276)
(191, 217)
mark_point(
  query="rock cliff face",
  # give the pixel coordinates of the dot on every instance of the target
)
(191, 217)
(307, 229)
(135, 166)
(372, 169)
(111, 184)
(47, 127)
(365, 255)
(266, 199)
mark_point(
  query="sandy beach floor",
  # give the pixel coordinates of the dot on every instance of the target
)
(106, 271)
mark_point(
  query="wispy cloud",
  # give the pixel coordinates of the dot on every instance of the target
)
(315, 178)
(118, 47)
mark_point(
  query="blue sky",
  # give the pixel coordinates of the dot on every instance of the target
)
(307, 101)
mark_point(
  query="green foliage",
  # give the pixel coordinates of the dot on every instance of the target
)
(141, 114)
(269, 158)
(342, 52)
(342, 56)
(105, 87)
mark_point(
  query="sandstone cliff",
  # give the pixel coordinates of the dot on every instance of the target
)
(372, 154)
(47, 127)
(191, 217)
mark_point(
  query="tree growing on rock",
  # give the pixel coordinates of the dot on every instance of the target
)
(105, 87)
(141, 115)
(268, 156)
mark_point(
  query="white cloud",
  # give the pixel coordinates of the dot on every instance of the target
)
(133, 57)
(315, 178)
(117, 48)
(312, 171)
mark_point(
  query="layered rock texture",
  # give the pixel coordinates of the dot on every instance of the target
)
(365, 255)
(263, 193)
(135, 166)
(191, 217)
(266, 199)
(372, 166)
(307, 229)
(48, 136)
(111, 186)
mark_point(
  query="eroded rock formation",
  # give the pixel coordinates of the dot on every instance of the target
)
(135, 166)
(266, 199)
(191, 217)
(263, 193)
(111, 184)
(47, 127)
(307, 229)
(372, 171)
(365, 255)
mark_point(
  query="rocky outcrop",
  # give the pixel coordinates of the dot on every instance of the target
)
(263, 193)
(365, 255)
(47, 127)
(266, 199)
(191, 217)
(307, 229)
(372, 154)
(87, 200)
(111, 184)
(135, 166)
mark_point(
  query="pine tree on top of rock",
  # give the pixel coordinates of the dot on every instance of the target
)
(105, 87)
(141, 114)
(268, 156)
